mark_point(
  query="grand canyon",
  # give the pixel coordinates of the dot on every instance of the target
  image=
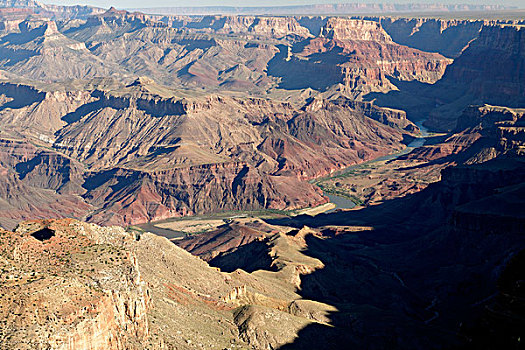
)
(273, 177)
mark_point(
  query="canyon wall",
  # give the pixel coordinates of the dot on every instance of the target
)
(68, 301)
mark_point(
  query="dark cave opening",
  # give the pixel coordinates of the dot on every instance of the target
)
(44, 234)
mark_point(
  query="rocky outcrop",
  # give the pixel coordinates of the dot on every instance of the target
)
(211, 52)
(359, 55)
(195, 155)
(482, 133)
(71, 285)
(276, 27)
(355, 30)
(223, 240)
(473, 79)
(74, 304)
(448, 37)
(39, 51)
(273, 27)
(127, 196)
(55, 11)
(38, 183)
(500, 84)
(391, 117)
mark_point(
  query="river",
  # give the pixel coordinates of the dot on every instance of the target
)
(346, 203)
(339, 201)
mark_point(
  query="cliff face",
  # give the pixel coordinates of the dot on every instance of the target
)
(350, 29)
(131, 197)
(497, 84)
(217, 52)
(54, 11)
(482, 216)
(275, 27)
(481, 133)
(359, 55)
(266, 26)
(450, 259)
(448, 37)
(71, 285)
(73, 289)
(40, 51)
(139, 152)
(473, 78)
(38, 184)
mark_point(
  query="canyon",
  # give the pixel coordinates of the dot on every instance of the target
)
(166, 178)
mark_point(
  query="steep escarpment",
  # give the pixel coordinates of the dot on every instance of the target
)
(472, 79)
(186, 132)
(216, 52)
(39, 51)
(448, 37)
(141, 152)
(160, 296)
(55, 11)
(131, 197)
(66, 286)
(347, 29)
(38, 183)
(359, 55)
(482, 133)
(38, 112)
(482, 215)
(497, 84)
(276, 27)
(231, 122)
(476, 226)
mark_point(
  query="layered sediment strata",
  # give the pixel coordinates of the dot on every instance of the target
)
(360, 56)
(356, 30)
(72, 285)
(449, 37)
(149, 196)
(475, 68)
(73, 289)
(139, 152)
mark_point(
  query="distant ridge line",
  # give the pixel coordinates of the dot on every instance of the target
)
(320, 9)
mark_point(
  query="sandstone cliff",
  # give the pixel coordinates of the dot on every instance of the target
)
(359, 55)
(501, 83)
(71, 285)
(143, 152)
(73, 289)
(472, 79)
(216, 52)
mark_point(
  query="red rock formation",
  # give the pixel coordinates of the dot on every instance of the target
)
(131, 197)
(359, 55)
(475, 68)
(72, 293)
(195, 155)
(225, 239)
(355, 30)
(475, 79)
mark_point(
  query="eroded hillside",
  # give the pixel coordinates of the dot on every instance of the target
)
(235, 132)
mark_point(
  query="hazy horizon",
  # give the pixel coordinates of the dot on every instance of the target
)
(255, 3)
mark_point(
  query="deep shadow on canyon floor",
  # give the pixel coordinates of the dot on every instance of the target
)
(427, 273)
